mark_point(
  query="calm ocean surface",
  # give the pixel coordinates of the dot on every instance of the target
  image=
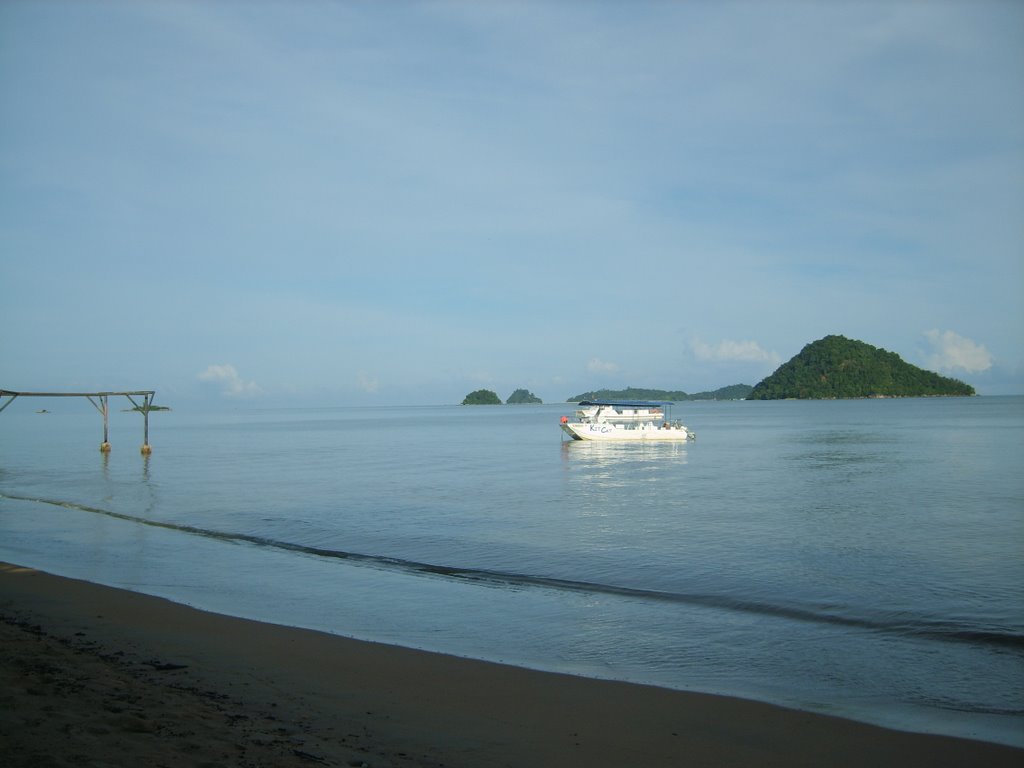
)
(862, 558)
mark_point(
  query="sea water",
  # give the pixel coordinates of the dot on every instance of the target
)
(860, 558)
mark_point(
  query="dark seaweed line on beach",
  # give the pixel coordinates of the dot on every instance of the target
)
(924, 628)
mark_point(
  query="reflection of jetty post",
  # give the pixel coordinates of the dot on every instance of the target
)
(102, 405)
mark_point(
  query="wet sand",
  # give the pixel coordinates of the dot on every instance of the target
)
(94, 676)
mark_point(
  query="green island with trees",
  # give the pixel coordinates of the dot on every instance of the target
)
(489, 397)
(522, 397)
(831, 368)
(733, 392)
(836, 367)
(482, 397)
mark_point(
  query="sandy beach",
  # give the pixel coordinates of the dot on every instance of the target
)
(94, 676)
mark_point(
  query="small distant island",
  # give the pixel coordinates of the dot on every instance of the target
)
(521, 397)
(836, 367)
(733, 392)
(489, 397)
(482, 397)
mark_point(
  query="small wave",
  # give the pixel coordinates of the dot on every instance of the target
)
(935, 630)
(977, 709)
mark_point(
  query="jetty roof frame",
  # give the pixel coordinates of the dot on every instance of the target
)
(9, 393)
(101, 406)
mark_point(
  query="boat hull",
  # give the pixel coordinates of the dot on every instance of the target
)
(623, 432)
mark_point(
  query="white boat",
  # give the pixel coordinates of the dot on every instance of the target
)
(624, 420)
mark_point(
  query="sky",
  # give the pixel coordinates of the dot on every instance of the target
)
(355, 203)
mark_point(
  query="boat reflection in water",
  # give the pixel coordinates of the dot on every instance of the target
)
(595, 465)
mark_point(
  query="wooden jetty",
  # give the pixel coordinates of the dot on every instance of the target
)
(100, 402)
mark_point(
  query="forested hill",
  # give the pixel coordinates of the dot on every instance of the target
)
(838, 367)
(734, 392)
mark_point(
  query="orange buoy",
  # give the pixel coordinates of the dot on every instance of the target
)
(565, 419)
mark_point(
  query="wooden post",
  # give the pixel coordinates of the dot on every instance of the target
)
(146, 449)
(105, 410)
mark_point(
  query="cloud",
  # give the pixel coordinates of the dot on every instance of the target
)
(951, 351)
(233, 384)
(596, 365)
(728, 350)
(366, 382)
